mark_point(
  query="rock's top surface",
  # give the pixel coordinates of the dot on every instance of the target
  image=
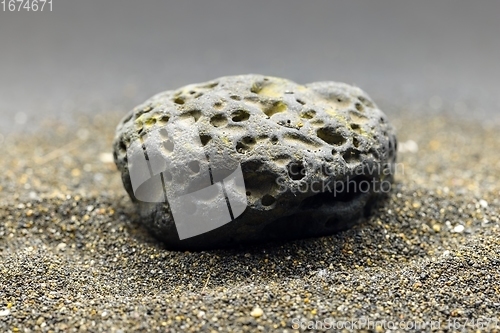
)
(297, 146)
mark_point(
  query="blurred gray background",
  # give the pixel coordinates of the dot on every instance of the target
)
(97, 56)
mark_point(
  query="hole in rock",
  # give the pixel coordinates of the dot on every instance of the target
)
(240, 115)
(218, 120)
(179, 100)
(355, 142)
(351, 155)
(163, 120)
(309, 114)
(194, 166)
(276, 107)
(205, 139)
(168, 146)
(330, 136)
(267, 200)
(296, 170)
(196, 114)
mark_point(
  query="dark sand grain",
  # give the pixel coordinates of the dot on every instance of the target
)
(73, 259)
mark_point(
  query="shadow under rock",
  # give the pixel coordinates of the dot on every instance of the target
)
(262, 262)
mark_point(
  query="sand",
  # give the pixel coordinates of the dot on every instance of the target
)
(74, 258)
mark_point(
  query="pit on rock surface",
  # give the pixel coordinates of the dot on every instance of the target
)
(313, 157)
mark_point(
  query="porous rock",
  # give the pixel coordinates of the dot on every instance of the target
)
(313, 157)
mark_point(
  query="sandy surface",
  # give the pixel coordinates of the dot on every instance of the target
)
(73, 259)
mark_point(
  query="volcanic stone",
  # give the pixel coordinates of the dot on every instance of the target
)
(313, 157)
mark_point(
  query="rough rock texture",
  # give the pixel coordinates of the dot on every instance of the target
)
(313, 156)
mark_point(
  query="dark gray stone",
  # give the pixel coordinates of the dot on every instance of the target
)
(314, 157)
